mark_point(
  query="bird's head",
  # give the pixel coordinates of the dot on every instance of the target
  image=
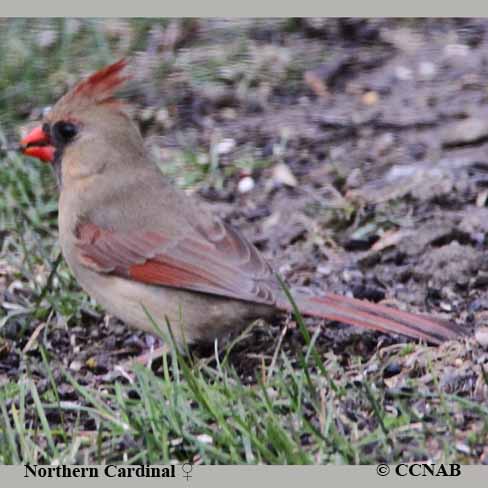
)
(87, 129)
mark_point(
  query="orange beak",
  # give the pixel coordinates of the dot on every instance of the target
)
(37, 145)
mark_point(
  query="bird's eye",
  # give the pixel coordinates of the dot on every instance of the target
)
(64, 132)
(46, 128)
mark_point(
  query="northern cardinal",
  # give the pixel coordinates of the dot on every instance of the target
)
(143, 248)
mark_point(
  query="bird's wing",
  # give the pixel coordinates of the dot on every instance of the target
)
(215, 260)
(221, 262)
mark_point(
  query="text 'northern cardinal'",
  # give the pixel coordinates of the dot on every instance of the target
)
(141, 247)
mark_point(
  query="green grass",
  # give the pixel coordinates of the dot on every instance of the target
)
(196, 412)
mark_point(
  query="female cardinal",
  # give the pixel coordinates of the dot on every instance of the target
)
(146, 251)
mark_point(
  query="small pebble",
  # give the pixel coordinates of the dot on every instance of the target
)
(162, 117)
(370, 98)
(282, 174)
(146, 114)
(482, 198)
(324, 270)
(47, 38)
(481, 336)
(392, 369)
(205, 439)
(463, 448)
(225, 146)
(447, 307)
(427, 70)
(75, 365)
(467, 131)
(403, 73)
(246, 184)
(460, 50)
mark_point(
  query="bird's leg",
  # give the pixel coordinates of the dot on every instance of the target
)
(148, 357)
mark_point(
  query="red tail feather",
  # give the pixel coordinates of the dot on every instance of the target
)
(374, 316)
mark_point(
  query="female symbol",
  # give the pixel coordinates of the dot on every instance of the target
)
(187, 468)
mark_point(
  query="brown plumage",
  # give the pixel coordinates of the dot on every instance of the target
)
(140, 246)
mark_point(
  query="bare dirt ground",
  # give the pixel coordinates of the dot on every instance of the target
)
(383, 193)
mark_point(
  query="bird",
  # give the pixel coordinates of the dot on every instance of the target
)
(149, 253)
